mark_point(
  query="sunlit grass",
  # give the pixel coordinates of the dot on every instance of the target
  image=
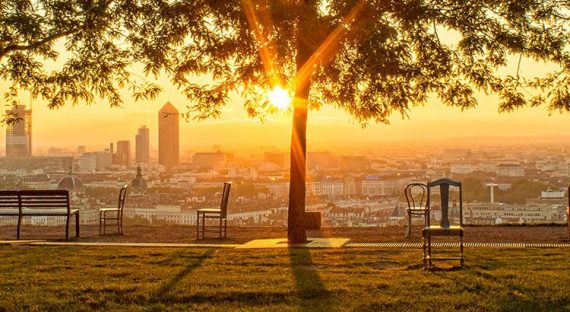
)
(144, 279)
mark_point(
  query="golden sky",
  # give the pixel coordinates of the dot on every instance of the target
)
(97, 125)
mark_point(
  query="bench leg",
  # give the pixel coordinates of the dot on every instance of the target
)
(19, 224)
(203, 226)
(77, 225)
(197, 225)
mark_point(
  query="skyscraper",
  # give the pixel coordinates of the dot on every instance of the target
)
(123, 154)
(19, 133)
(142, 145)
(168, 140)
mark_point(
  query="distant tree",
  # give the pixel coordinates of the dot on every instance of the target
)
(474, 190)
(370, 58)
(521, 191)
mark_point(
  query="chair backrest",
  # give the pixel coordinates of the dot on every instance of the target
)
(44, 199)
(225, 199)
(444, 185)
(10, 200)
(416, 195)
(122, 196)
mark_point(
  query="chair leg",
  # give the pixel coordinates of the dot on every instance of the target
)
(409, 230)
(424, 246)
(100, 222)
(77, 225)
(461, 250)
(429, 250)
(220, 234)
(225, 227)
(67, 228)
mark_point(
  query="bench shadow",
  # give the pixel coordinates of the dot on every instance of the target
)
(311, 291)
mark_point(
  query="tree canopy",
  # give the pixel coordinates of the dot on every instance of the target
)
(371, 58)
(385, 57)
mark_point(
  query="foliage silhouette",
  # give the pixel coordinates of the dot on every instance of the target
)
(371, 58)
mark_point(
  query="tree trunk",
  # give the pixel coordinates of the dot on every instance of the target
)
(297, 188)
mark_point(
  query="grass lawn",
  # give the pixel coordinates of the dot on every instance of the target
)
(144, 279)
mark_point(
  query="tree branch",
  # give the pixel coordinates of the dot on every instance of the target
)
(31, 46)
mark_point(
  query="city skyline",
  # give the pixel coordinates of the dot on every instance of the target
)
(19, 133)
(72, 124)
(142, 142)
(168, 136)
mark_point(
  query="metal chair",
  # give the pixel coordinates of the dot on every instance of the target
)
(214, 213)
(416, 198)
(444, 228)
(114, 214)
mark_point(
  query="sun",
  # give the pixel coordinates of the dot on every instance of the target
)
(279, 98)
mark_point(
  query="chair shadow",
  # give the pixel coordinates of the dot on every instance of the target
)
(311, 291)
(167, 287)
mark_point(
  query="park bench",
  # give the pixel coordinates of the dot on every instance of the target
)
(40, 203)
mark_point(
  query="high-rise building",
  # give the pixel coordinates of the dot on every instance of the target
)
(81, 149)
(168, 141)
(123, 154)
(19, 133)
(142, 145)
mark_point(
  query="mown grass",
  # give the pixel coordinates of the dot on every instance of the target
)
(144, 279)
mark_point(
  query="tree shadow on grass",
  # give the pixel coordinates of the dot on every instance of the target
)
(164, 291)
(311, 291)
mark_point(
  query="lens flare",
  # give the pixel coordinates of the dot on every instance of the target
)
(279, 98)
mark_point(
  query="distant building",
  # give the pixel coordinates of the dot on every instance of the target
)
(210, 160)
(490, 214)
(331, 189)
(374, 186)
(510, 170)
(139, 181)
(19, 133)
(142, 145)
(553, 194)
(168, 136)
(81, 149)
(95, 161)
(123, 154)
(88, 162)
(461, 168)
(275, 158)
(70, 183)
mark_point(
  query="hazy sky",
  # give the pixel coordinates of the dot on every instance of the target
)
(97, 125)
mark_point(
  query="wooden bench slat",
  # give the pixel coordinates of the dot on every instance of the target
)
(38, 203)
(47, 212)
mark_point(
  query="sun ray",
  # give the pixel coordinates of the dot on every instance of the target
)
(265, 46)
(328, 47)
